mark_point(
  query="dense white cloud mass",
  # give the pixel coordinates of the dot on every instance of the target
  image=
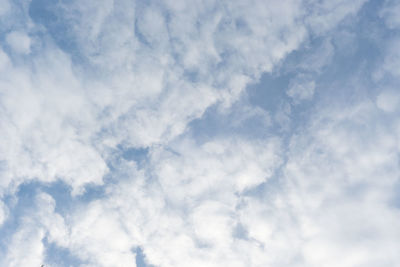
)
(199, 133)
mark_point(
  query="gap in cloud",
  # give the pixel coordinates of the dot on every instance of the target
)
(240, 232)
(65, 202)
(140, 36)
(49, 14)
(271, 187)
(19, 205)
(58, 256)
(61, 193)
(92, 192)
(239, 120)
(356, 52)
(347, 56)
(58, 190)
(269, 92)
(395, 200)
(138, 155)
(55, 20)
(141, 258)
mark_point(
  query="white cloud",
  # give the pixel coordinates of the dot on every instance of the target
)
(20, 42)
(170, 217)
(98, 236)
(4, 60)
(46, 136)
(388, 100)
(26, 248)
(141, 95)
(3, 213)
(328, 209)
(132, 91)
(189, 171)
(135, 76)
(340, 180)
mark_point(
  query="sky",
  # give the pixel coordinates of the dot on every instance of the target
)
(168, 133)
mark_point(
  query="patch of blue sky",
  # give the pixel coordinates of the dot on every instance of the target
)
(60, 257)
(347, 53)
(65, 203)
(50, 14)
(141, 258)
(218, 124)
(24, 200)
(139, 155)
(20, 205)
(57, 20)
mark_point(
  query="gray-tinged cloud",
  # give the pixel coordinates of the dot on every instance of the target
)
(389, 14)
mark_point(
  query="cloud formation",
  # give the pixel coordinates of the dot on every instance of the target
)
(146, 133)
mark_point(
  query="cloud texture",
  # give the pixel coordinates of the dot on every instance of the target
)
(199, 133)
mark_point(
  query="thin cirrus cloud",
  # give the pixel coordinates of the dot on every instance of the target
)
(203, 133)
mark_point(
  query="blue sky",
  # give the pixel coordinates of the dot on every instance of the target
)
(199, 133)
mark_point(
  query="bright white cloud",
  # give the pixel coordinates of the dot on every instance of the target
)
(26, 247)
(341, 179)
(143, 95)
(3, 213)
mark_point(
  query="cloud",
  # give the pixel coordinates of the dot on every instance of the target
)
(340, 182)
(84, 84)
(42, 138)
(388, 101)
(388, 13)
(325, 15)
(163, 215)
(3, 213)
(26, 246)
(4, 60)
(5, 7)
(392, 58)
(301, 89)
(19, 42)
(114, 85)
